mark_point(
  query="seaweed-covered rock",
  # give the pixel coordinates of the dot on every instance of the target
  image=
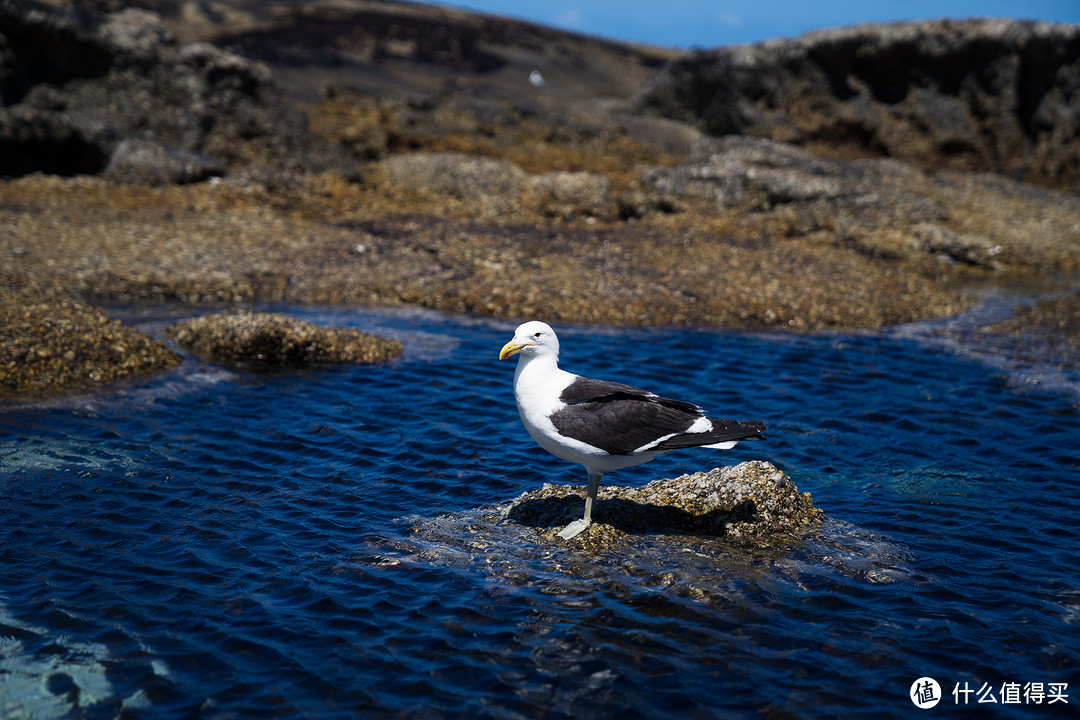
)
(275, 339)
(491, 187)
(49, 339)
(750, 503)
(880, 206)
(571, 194)
(485, 186)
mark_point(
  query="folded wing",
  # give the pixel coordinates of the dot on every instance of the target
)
(621, 420)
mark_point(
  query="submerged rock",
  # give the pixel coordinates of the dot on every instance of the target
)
(276, 339)
(753, 503)
(1046, 332)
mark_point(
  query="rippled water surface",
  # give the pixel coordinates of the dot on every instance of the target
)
(229, 542)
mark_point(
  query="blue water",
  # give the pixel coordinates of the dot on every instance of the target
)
(234, 542)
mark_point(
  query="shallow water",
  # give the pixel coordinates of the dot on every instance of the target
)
(233, 542)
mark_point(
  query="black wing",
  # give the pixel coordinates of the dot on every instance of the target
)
(723, 431)
(619, 418)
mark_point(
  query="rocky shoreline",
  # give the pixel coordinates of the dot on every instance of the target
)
(172, 157)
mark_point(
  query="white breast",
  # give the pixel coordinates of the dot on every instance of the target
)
(537, 387)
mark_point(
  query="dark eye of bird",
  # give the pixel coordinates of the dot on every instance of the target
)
(536, 335)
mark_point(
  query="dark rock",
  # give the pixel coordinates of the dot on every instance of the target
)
(149, 162)
(977, 95)
(275, 339)
(73, 85)
(753, 503)
(41, 140)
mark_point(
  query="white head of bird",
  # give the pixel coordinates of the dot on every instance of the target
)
(532, 339)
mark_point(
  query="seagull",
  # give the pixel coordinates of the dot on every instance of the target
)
(603, 425)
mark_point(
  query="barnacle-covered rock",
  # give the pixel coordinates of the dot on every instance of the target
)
(276, 339)
(752, 503)
(49, 339)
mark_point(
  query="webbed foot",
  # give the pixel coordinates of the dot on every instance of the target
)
(574, 529)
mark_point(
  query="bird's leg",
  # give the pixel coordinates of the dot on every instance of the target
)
(590, 495)
(578, 526)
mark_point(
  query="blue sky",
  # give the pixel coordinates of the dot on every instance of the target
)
(701, 23)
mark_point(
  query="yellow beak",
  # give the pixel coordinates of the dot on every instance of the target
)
(511, 348)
